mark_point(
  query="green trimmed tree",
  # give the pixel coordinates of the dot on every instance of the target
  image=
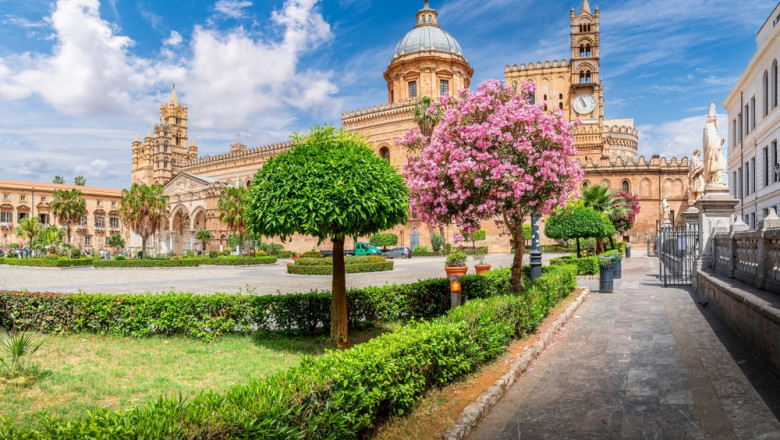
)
(144, 208)
(602, 200)
(330, 185)
(577, 221)
(48, 239)
(115, 241)
(384, 240)
(478, 235)
(437, 241)
(68, 206)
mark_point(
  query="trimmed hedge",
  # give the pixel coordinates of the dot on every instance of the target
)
(46, 262)
(327, 269)
(186, 262)
(341, 395)
(585, 265)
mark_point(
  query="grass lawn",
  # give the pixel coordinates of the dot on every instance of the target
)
(83, 371)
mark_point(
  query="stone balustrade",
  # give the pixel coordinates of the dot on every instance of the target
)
(750, 256)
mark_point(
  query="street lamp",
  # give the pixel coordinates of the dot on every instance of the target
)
(536, 253)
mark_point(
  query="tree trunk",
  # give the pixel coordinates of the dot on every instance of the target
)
(579, 253)
(143, 245)
(441, 232)
(517, 262)
(338, 308)
(599, 246)
(612, 242)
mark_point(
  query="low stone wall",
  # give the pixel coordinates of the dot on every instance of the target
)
(752, 257)
(754, 314)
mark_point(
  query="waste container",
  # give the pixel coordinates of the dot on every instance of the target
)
(617, 269)
(606, 274)
(628, 251)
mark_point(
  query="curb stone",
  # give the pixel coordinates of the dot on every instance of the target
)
(475, 412)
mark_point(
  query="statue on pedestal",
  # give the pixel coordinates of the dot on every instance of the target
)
(696, 176)
(665, 212)
(714, 159)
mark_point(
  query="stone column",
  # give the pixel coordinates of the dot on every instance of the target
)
(716, 206)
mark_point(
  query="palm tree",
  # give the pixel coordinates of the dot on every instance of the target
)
(68, 206)
(79, 181)
(58, 179)
(49, 237)
(600, 198)
(203, 236)
(427, 122)
(144, 208)
(232, 203)
(28, 228)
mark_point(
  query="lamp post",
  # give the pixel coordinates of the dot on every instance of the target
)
(455, 287)
(536, 253)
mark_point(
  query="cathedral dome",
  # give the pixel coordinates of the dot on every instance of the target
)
(427, 35)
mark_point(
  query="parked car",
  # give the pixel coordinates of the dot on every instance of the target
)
(361, 249)
(398, 252)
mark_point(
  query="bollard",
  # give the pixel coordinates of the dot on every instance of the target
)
(455, 297)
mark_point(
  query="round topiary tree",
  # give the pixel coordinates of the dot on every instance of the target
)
(384, 240)
(495, 155)
(330, 185)
(576, 221)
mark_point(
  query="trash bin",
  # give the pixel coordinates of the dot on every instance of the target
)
(606, 274)
(617, 268)
(628, 251)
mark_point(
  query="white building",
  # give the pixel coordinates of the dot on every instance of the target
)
(754, 128)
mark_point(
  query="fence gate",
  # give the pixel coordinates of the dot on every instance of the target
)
(678, 250)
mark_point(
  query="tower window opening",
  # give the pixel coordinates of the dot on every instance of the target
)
(384, 153)
(178, 121)
(444, 87)
(545, 97)
(582, 77)
(560, 96)
(587, 50)
(582, 50)
(412, 89)
(560, 105)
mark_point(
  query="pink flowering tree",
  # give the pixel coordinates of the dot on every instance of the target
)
(630, 203)
(494, 156)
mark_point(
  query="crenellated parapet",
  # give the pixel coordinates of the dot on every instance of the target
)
(620, 164)
(536, 66)
(620, 141)
(262, 151)
(377, 113)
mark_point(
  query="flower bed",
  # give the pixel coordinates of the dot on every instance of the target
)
(346, 393)
(585, 265)
(324, 266)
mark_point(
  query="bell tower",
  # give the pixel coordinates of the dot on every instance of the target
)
(586, 94)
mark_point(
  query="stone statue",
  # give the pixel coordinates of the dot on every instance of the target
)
(696, 176)
(714, 159)
(665, 212)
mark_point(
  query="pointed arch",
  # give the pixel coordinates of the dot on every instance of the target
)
(645, 187)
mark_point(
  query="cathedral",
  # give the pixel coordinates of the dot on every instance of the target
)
(427, 61)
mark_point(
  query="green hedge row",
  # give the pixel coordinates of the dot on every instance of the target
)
(585, 265)
(186, 262)
(208, 316)
(46, 262)
(326, 269)
(341, 395)
(320, 261)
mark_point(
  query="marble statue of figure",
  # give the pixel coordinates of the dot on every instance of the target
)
(696, 176)
(714, 159)
(665, 211)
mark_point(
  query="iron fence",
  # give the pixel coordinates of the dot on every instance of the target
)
(678, 250)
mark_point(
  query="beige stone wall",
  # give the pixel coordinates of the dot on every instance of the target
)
(33, 199)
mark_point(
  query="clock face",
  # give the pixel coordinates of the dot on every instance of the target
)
(584, 103)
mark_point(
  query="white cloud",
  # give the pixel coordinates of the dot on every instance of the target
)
(676, 138)
(174, 40)
(232, 8)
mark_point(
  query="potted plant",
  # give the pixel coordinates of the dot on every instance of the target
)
(455, 264)
(479, 260)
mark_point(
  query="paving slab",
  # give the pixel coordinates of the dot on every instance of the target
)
(644, 362)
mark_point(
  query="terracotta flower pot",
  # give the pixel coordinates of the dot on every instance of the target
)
(456, 270)
(481, 268)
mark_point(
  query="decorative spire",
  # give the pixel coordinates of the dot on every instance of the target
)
(173, 100)
(136, 137)
(426, 5)
(585, 7)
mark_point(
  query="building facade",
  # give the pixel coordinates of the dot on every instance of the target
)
(21, 199)
(427, 61)
(754, 128)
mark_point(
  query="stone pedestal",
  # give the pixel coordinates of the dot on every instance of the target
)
(716, 208)
(690, 216)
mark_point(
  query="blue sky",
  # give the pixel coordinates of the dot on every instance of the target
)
(79, 78)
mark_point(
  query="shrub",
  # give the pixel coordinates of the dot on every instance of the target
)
(345, 393)
(314, 253)
(456, 258)
(327, 269)
(213, 253)
(585, 265)
(384, 240)
(260, 254)
(437, 241)
(45, 262)
(421, 250)
(119, 258)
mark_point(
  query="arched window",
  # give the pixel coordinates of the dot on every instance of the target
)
(545, 97)
(582, 50)
(582, 77)
(585, 183)
(774, 84)
(560, 105)
(625, 186)
(414, 238)
(248, 183)
(165, 164)
(587, 50)
(560, 96)
(765, 84)
(430, 19)
(384, 153)
(587, 77)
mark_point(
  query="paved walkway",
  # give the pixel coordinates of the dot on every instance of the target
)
(645, 362)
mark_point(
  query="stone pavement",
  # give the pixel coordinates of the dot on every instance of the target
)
(645, 362)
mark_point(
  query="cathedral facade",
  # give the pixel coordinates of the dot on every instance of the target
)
(427, 61)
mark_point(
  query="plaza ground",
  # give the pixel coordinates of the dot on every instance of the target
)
(263, 279)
